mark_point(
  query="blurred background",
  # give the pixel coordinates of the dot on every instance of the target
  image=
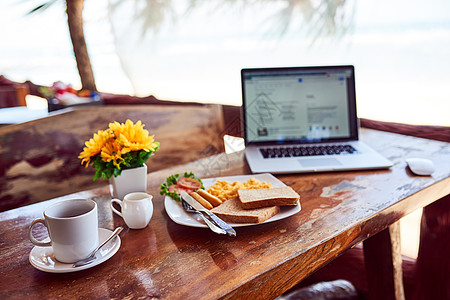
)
(193, 50)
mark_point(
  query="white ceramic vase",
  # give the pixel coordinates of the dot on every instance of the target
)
(130, 181)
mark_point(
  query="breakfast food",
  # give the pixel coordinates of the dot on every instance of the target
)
(232, 211)
(176, 183)
(225, 190)
(210, 198)
(251, 199)
(175, 188)
(189, 183)
(201, 200)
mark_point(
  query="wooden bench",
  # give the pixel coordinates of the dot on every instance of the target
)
(39, 159)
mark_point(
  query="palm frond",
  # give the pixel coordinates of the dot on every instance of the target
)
(42, 7)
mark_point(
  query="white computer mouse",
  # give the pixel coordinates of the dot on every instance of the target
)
(420, 166)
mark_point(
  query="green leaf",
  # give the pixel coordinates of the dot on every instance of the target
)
(97, 175)
(108, 173)
(117, 172)
(144, 156)
(130, 160)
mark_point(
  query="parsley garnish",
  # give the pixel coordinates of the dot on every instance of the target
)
(172, 179)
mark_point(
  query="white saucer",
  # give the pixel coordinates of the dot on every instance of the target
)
(42, 258)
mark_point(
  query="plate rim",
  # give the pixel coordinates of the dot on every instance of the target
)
(168, 202)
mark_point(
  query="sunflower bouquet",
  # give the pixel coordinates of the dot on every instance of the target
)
(121, 146)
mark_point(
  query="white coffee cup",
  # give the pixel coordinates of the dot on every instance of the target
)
(137, 209)
(73, 229)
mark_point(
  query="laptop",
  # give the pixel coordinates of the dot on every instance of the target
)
(303, 119)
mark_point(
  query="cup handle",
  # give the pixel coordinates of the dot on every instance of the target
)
(115, 210)
(31, 237)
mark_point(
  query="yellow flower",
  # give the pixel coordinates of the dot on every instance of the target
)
(113, 152)
(93, 147)
(133, 136)
(114, 144)
(116, 128)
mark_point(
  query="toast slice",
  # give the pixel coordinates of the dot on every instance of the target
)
(257, 198)
(232, 211)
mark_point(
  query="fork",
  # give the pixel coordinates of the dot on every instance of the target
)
(188, 208)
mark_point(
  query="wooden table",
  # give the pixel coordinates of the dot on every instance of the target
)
(171, 261)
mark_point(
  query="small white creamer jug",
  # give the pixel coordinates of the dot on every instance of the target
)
(136, 209)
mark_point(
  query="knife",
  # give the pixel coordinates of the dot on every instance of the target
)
(204, 217)
(218, 221)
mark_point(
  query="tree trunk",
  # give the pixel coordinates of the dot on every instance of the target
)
(75, 20)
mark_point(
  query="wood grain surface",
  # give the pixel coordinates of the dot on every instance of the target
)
(39, 159)
(171, 261)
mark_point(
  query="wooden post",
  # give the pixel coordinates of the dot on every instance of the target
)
(22, 92)
(382, 257)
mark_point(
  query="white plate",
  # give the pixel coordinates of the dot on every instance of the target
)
(179, 216)
(42, 258)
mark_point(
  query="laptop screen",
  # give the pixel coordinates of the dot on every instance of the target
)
(299, 104)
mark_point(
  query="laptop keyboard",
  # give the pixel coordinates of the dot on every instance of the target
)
(294, 151)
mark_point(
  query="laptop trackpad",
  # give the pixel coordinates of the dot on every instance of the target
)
(319, 162)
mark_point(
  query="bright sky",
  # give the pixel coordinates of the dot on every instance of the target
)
(399, 49)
